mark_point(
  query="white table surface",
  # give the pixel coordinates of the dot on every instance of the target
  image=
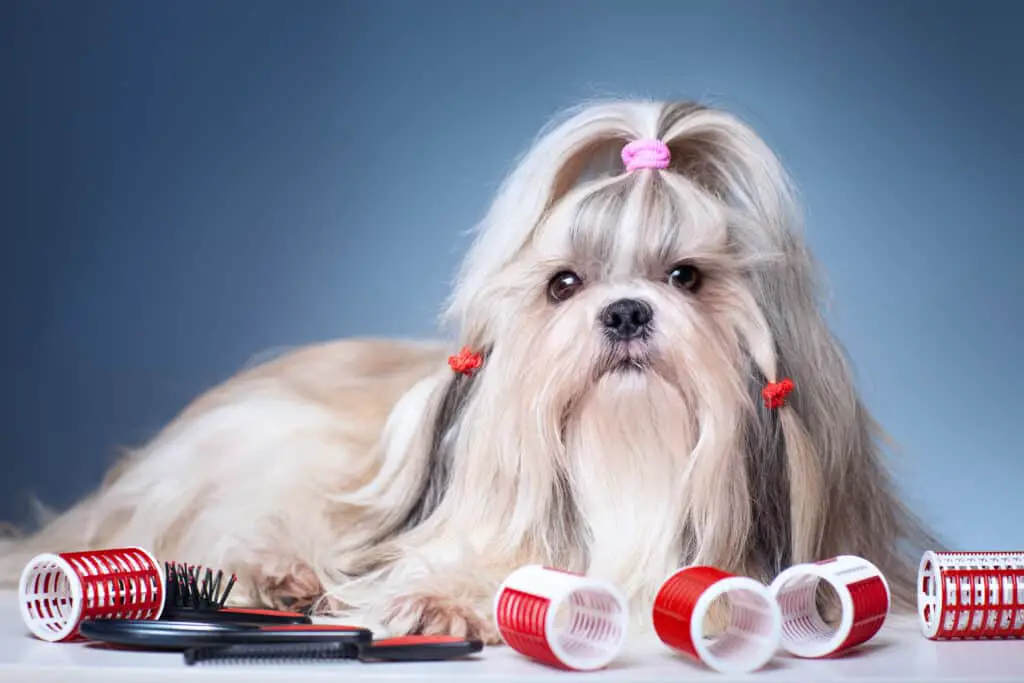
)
(897, 653)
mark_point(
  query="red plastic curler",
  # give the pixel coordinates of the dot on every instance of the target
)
(863, 596)
(60, 591)
(974, 596)
(560, 618)
(752, 618)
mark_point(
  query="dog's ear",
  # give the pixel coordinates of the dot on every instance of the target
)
(770, 549)
(443, 433)
(842, 499)
(821, 450)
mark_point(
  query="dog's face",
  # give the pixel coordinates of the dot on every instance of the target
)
(627, 281)
(619, 368)
(624, 320)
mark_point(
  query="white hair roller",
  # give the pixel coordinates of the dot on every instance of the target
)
(560, 618)
(59, 591)
(751, 634)
(975, 595)
(864, 602)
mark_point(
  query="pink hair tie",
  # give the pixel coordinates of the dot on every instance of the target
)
(646, 154)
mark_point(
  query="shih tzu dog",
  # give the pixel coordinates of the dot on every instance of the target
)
(642, 379)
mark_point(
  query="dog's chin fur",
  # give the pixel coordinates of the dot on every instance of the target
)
(365, 479)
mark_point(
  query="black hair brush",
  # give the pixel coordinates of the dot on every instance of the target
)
(195, 593)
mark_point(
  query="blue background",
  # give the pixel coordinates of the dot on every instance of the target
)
(187, 185)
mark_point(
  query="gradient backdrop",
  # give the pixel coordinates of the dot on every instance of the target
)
(185, 185)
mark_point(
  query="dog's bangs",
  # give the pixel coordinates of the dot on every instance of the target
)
(640, 221)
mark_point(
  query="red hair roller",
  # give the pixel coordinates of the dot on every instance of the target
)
(58, 592)
(751, 636)
(971, 596)
(562, 619)
(864, 602)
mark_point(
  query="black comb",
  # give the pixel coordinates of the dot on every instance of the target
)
(272, 653)
(398, 649)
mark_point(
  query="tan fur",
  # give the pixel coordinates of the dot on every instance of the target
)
(364, 478)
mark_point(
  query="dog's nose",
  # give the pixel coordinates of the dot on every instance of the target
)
(626, 319)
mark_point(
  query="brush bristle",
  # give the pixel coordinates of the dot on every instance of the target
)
(196, 587)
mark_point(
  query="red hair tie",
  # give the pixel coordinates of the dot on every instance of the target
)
(465, 361)
(776, 392)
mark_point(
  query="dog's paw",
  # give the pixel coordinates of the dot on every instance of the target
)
(421, 614)
(296, 590)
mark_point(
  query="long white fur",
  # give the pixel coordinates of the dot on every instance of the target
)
(298, 474)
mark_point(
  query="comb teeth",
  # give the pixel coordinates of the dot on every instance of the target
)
(196, 587)
(271, 653)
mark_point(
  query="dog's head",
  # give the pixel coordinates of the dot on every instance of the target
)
(631, 321)
(587, 276)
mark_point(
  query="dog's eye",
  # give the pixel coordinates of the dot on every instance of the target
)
(685, 277)
(563, 285)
